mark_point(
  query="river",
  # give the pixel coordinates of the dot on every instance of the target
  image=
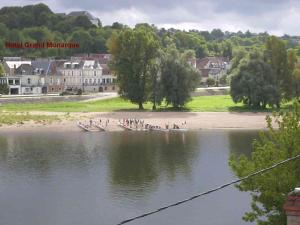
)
(80, 178)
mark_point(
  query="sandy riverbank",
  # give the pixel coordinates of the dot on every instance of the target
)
(194, 120)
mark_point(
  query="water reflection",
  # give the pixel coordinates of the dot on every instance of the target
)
(241, 141)
(100, 178)
(138, 160)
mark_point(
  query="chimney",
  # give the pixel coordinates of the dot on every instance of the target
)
(292, 207)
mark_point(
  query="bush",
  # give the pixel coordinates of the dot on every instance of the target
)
(210, 81)
(79, 92)
(4, 89)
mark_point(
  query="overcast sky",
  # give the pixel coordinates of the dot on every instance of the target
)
(274, 16)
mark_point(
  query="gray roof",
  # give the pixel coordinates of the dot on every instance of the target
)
(44, 65)
(82, 13)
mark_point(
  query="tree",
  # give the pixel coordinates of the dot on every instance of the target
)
(3, 87)
(276, 56)
(269, 190)
(253, 83)
(134, 53)
(1, 70)
(210, 81)
(296, 82)
(178, 77)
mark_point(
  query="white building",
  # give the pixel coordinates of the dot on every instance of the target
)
(92, 76)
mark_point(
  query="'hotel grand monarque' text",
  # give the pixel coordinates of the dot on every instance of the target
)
(48, 44)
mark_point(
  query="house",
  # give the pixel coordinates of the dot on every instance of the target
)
(214, 67)
(13, 69)
(292, 207)
(11, 66)
(109, 80)
(30, 81)
(14, 84)
(92, 76)
(72, 74)
(84, 74)
(51, 81)
(94, 20)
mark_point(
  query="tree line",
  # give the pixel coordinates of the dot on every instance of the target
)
(38, 23)
(266, 76)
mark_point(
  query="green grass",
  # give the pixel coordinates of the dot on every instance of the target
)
(216, 103)
(15, 118)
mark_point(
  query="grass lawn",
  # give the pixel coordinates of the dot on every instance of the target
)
(215, 103)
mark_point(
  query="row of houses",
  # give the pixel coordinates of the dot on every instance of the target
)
(85, 72)
(89, 73)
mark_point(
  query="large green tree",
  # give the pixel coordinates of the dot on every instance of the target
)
(269, 190)
(253, 83)
(134, 53)
(276, 55)
(179, 78)
(296, 82)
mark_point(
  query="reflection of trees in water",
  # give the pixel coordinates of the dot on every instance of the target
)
(138, 159)
(3, 148)
(241, 141)
(41, 152)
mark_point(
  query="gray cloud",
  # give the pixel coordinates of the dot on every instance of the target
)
(274, 16)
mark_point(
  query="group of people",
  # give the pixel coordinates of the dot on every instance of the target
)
(132, 123)
(105, 121)
(140, 124)
(137, 124)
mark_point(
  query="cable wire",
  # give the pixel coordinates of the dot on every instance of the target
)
(209, 191)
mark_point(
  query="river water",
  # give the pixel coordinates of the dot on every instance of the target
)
(82, 178)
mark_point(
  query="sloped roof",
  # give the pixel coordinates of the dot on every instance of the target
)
(105, 69)
(16, 64)
(44, 65)
(82, 13)
(24, 69)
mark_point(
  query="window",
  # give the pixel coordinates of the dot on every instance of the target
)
(17, 82)
(11, 82)
(107, 80)
(95, 73)
(86, 81)
(103, 81)
(28, 81)
(113, 88)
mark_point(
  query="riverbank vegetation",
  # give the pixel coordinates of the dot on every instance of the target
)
(215, 103)
(9, 118)
(269, 190)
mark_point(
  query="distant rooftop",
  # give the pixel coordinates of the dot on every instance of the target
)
(296, 192)
(82, 13)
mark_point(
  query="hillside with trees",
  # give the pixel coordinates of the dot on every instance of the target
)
(33, 23)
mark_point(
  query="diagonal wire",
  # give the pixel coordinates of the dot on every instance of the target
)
(209, 191)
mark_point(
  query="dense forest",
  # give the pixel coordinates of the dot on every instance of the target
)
(37, 23)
